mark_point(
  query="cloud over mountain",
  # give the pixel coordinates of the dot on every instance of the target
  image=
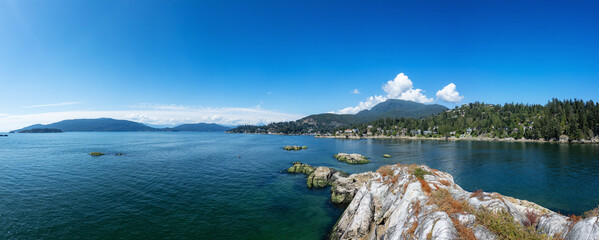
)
(399, 88)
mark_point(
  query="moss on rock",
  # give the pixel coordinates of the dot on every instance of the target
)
(299, 167)
(294, 148)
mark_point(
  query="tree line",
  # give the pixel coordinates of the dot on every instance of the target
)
(575, 119)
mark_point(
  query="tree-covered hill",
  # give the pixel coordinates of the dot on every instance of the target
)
(574, 119)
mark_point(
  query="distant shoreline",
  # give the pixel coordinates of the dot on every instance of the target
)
(482, 139)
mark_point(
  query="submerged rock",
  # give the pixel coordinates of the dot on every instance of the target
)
(399, 202)
(96, 154)
(353, 158)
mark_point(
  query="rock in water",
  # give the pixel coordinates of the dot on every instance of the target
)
(294, 148)
(353, 158)
(299, 167)
(386, 155)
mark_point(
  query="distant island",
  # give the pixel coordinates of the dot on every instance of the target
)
(557, 121)
(115, 125)
(41, 130)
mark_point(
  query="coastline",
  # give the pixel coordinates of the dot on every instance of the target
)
(484, 139)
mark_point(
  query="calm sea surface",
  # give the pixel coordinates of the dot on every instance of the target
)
(194, 186)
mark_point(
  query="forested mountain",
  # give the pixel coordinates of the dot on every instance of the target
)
(394, 108)
(574, 119)
(114, 125)
(327, 122)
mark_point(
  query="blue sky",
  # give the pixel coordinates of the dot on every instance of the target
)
(235, 62)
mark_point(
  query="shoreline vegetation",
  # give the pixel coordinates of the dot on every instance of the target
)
(572, 121)
(418, 202)
(482, 139)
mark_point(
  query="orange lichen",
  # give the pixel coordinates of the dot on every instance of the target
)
(445, 182)
(425, 187)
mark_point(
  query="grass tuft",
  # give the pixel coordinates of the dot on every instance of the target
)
(419, 172)
(504, 226)
(531, 219)
(445, 202)
(464, 232)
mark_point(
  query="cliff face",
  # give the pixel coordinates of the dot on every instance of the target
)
(416, 202)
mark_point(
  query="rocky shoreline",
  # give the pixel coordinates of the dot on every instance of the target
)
(417, 202)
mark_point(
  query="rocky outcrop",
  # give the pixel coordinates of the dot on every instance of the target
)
(299, 167)
(294, 148)
(417, 202)
(353, 158)
(397, 204)
(343, 187)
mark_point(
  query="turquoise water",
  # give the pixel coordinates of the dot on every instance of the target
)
(194, 186)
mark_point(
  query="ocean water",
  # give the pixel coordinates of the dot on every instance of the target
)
(231, 186)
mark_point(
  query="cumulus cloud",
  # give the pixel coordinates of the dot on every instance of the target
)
(355, 91)
(156, 115)
(368, 104)
(399, 88)
(449, 94)
(402, 88)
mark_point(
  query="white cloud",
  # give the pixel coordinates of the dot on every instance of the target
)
(402, 88)
(415, 95)
(52, 104)
(449, 94)
(156, 115)
(355, 91)
(399, 88)
(368, 104)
